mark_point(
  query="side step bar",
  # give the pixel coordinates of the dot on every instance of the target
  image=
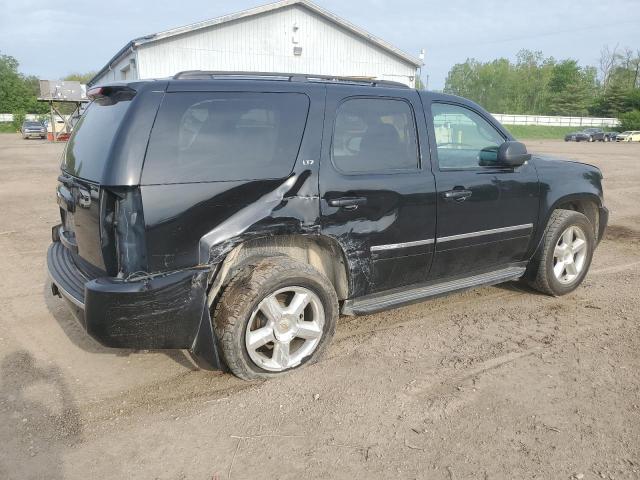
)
(404, 296)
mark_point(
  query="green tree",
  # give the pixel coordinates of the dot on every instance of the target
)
(18, 118)
(17, 92)
(571, 88)
(535, 84)
(83, 78)
(532, 74)
(502, 86)
(462, 79)
(630, 120)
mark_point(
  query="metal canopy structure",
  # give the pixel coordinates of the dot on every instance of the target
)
(57, 93)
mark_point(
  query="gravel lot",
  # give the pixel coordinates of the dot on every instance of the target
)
(490, 384)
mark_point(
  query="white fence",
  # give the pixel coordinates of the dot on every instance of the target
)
(505, 118)
(8, 117)
(509, 119)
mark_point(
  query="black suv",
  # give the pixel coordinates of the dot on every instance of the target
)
(238, 215)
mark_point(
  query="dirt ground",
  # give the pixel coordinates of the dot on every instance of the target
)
(496, 383)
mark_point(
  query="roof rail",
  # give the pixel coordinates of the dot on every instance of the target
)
(290, 77)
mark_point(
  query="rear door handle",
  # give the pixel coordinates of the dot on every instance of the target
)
(350, 203)
(459, 195)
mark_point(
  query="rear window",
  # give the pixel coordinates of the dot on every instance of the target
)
(89, 146)
(218, 136)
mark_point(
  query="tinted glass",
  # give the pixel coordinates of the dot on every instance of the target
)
(374, 135)
(464, 139)
(32, 124)
(89, 146)
(199, 137)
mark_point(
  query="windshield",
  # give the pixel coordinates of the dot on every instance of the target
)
(90, 144)
(32, 124)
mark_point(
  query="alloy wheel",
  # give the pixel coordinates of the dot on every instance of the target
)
(285, 328)
(569, 255)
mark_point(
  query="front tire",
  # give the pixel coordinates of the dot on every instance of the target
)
(275, 315)
(565, 254)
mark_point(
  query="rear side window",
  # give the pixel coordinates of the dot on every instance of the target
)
(218, 136)
(374, 135)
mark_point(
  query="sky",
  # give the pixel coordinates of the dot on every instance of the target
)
(52, 39)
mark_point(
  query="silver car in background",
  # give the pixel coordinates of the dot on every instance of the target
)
(32, 129)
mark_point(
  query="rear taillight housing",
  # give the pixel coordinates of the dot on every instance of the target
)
(122, 232)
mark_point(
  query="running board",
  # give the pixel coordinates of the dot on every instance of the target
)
(398, 297)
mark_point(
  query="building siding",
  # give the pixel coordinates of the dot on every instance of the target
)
(116, 74)
(265, 43)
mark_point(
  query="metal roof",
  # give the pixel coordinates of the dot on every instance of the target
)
(253, 12)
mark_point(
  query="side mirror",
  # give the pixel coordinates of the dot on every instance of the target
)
(513, 154)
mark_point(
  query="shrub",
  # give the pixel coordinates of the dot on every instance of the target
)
(18, 118)
(630, 120)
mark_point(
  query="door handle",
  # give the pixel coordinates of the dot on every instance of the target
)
(457, 194)
(350, 203)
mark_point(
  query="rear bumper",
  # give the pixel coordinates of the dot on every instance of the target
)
(161, 312)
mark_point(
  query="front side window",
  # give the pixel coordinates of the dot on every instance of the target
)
(463, 138)
(222, 136)
(374, 135)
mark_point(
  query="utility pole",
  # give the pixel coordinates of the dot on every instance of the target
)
(421, 57)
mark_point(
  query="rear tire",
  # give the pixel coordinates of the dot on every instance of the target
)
(276, 315)
(565, 255)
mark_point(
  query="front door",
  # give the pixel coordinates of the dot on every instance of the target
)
(377, 191)
(486, 212)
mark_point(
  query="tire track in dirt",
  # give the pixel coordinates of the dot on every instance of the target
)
(621, 233)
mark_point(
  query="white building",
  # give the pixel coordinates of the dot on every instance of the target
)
(289, 36)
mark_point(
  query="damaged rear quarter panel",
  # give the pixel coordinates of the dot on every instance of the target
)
(193, 224)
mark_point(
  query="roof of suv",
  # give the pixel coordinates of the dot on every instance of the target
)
(195, 76)
(189, 79)
(291, 77)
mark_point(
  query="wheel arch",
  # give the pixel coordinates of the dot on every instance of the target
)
(323, 253)
(586, 203)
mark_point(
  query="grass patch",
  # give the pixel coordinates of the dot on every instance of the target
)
(539, 132)
(7, 127)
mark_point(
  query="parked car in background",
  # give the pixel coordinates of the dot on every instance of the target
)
(238, 217)
(629, 136)
(31, 129)
(586, 135)
(610, 136)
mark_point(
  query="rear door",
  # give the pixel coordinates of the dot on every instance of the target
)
(84, 161)
(486, 212)
(376, 187)
(105, 152)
